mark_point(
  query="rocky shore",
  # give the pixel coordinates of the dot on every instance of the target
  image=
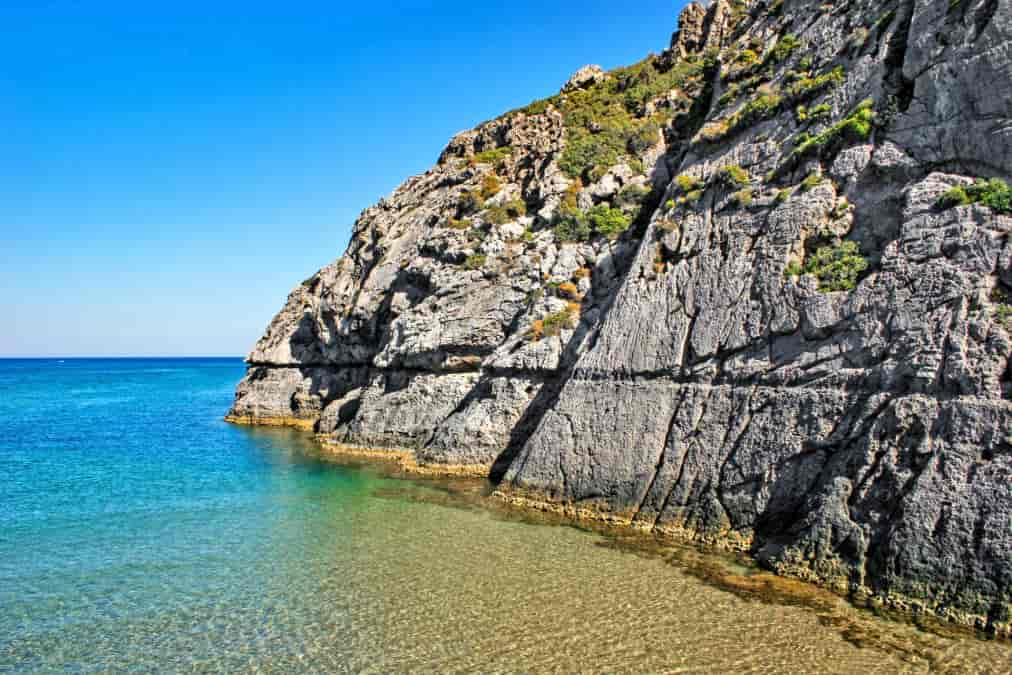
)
(755, 289)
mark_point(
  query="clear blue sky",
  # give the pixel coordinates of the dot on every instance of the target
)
(170, 171)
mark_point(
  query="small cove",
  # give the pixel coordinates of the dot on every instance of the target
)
(140, 531)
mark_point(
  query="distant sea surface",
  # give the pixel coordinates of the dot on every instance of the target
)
(138, 531)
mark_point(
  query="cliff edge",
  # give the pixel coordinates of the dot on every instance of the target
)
(756, 290)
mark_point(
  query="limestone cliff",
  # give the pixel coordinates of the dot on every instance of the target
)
(746, 290)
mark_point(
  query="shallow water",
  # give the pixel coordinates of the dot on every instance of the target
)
(139, 531)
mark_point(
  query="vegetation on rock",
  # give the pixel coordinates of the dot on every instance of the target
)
(608, 121)
(490, 186)
(994, 194)
(733, 176)
(812, 181)
(556, 322)
(837, 267)
(493, 156)
(607, 221)
(475, 261)
(856, 127)
(804, 87)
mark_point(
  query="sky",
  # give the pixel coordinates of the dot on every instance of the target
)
(170, 171)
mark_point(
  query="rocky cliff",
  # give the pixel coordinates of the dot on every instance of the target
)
(756, 289)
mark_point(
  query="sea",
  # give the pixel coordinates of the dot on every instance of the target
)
(140, 532)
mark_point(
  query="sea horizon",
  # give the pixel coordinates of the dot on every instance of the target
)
(120, 357)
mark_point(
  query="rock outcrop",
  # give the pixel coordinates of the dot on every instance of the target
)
(745, 291)
(583, 78)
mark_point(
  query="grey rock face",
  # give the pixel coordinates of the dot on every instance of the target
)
(584, 77)
(705, 373)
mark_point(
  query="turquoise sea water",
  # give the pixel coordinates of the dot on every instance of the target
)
(138, 531)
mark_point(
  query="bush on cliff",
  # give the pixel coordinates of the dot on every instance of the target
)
(856, 127)
(805, 88)
(490, 186)
(837, 267)
(555, 323)
(492, 156)
(607, 221)
(608, 121)
(571, 224)
(474, 262)
(733, 176)
(994, 194)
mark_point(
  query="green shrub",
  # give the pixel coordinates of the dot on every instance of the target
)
(735, 89)
(571, 224)
(687, 183)
(837, 267)
(1002, 307)
(1003, 313)
(733, 176)
(840, 210)
(644, 81)
(794, 269)
(783, 196)
(496, 215)
(855, 127)
(743, 64)
(812, 181)
(490, 186)
(994, 194)
(474, 262)
(808, 87)
(584, 153)
(745, 57)
(492, 156)
(784, 48)
(743, 197)
(609, 222)
(572, 194)
(714, 132)
(729, 95)
(954, 196)
(606, 122)
(764, 106)
(516, 208)
(642, 139)
(461, 224)
(556, 322)
(633, 195)
(470, 201)
(804, 114)
(538, 107)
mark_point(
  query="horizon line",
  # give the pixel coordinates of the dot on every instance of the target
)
(119, 356)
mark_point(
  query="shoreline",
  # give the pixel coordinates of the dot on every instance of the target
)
(893, 606)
